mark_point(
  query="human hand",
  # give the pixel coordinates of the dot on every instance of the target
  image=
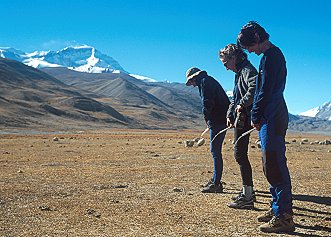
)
(256, 125)
(229, 123)
(239, 108)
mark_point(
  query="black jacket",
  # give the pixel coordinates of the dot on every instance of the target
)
(215, 102)
(269, 104)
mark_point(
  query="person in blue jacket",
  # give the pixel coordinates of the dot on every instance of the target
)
(269, 116)
(215, 103)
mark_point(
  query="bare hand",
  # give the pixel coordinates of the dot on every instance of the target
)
(239, 108)
(257, 126)
(228, 123)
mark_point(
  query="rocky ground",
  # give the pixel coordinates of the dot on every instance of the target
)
(147, 183)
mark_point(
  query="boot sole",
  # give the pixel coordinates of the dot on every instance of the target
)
(247, 206)
(292, 229)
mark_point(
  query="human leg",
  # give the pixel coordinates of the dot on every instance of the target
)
(277, 174)
(216, 152)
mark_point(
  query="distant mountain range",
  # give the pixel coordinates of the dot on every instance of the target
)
(78, 58)
(322, 112)
(80, 88)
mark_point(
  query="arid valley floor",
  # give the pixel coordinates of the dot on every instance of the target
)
(147, 183)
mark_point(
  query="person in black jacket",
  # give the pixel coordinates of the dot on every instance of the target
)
(235, 59)
(270, 118)
(215, 103)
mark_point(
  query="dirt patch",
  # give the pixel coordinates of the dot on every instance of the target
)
(147, 183)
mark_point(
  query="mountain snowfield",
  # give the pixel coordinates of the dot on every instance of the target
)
(323, 111)
(78, 58)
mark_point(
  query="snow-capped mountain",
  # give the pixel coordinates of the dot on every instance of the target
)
(80, 58)
(323, 111)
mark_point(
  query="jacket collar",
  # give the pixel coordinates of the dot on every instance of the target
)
(241, 65)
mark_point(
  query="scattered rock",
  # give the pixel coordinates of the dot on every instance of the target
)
(45, 208)
(302, 143)
(120, 186)
(20, 171)
(189, 143)
(304, 139)
(93, 212)
(293, 140)
(252, 146)
(101, 187)
(180, 142)
(286, 142)
(55, 139)
(312, 143)
(177, 190)
(196, 139)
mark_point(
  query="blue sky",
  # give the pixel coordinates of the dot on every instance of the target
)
(162, 39)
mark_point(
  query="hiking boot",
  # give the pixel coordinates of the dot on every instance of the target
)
(212, 188)
(267, 216)
(279, 224)
(234, 198)
(242, 203)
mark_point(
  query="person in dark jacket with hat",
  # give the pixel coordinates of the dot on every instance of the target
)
(235, 59)
(270, 118)
(215, 103)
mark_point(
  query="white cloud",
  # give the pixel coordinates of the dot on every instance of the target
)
(58, 44)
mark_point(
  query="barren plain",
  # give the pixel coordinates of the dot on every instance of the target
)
(147, 183)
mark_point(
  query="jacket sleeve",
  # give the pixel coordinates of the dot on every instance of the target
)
(207, 97)
(250, 80)
(268, 81)
(230, 111)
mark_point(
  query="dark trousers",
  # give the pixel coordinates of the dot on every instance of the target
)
(216, 152)
(275, 167)
(241, 155)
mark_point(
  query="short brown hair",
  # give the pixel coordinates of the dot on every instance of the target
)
(232, 50)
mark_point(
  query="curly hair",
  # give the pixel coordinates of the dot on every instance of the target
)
(252, 33)
(232, 50)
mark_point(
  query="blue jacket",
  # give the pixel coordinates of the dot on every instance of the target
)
(269, 104)
(215, 102)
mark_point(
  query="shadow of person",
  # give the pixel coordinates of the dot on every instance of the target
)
(314, 199)
(328, 214)
(302, 197)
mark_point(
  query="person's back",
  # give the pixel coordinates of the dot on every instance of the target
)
(214, 99)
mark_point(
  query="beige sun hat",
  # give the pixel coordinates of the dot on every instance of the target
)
(190, 73)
